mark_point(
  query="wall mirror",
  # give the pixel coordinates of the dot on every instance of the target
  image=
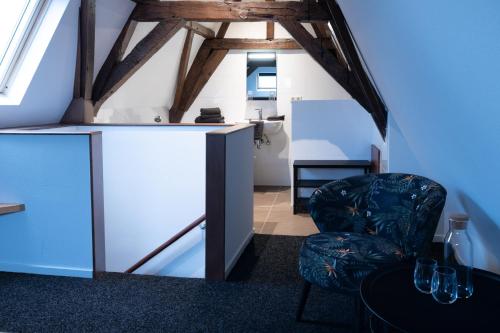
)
(261, 76)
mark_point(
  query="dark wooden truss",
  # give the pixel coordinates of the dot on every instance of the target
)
(230, 11)
(370, 98)
(334, 49)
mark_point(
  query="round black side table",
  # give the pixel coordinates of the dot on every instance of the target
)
(395, 305)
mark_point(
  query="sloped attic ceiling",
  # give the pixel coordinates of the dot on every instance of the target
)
(436, 64)
(49, 82)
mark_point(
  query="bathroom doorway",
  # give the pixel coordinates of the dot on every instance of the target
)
(273, 213)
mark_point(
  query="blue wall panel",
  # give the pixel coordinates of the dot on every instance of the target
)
(50, 174)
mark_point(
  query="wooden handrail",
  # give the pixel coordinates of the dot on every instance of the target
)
(163, 246)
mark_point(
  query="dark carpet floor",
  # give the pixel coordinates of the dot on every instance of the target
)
(261, 296)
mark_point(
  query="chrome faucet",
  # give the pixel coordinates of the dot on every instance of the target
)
(260, 113)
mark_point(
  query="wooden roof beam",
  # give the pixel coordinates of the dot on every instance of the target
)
(251, 44)
(193, 88)
(322, 31)
(325, 58)
(204, 64)
(183, 68)
(270, 28)
(80, 110)
(222, 30)
(230, 11)
(114, 57)
(141, 53)
(261, 44)
(200, 29)
(88, 49)
(369, 98)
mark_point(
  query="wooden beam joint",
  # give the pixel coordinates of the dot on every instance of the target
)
(200, 29)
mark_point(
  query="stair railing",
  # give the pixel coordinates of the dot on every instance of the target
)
(163, 246)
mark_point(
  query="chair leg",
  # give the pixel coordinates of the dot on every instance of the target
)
(302, 304)
(359, 314)
(303, 299)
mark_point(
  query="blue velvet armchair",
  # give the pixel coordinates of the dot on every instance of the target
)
(367, 222)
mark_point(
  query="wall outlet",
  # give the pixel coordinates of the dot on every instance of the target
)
(296, 99)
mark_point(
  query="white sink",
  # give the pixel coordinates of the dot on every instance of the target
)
(270, 126)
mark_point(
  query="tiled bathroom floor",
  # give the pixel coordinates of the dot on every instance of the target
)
(273, 213)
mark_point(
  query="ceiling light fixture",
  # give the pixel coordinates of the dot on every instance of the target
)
(261, 56)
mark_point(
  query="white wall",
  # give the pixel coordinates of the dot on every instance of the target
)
(299, 76)
(150, 91)
(331, 130)
(152, 190)
(51, 88)
(436, 65)
(154, 186)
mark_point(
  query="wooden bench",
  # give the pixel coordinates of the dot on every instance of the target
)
(299, 203)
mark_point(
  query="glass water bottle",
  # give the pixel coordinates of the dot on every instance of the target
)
(458, 253)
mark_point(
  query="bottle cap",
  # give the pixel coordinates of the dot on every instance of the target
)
(459, 221)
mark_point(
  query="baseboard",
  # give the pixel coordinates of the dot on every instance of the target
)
(46, 270)
(235, 258)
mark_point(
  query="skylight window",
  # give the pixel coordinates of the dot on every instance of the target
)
(17, 21)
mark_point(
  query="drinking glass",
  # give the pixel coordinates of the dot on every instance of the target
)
(422, 276)
(444, 285)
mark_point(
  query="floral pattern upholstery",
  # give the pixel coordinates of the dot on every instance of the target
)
(400, 210)
(341, 259)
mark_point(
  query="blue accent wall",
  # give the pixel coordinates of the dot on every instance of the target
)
(50, 174)
(436, 66)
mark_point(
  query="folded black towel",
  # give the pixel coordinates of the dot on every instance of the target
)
(210, 116)
(209, 120)
(282, 117)
(210, 111)
(220, 121)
